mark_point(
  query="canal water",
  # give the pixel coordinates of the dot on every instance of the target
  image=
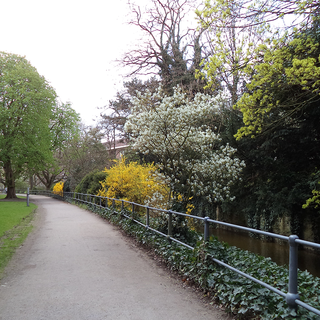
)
(279, 253)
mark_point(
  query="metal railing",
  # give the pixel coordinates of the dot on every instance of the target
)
(291, 297)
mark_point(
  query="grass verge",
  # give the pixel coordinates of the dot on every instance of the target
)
(15, 225)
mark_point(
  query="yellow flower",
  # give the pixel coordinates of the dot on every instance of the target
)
(134, 182)
(58, 188)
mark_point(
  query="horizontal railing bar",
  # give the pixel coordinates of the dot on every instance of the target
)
(308, 307)
(138, 222)
(158, 232)
(279, 292)
(270, 234)
(182, 243)
(123, 214)
(308, 243)
(187, 215)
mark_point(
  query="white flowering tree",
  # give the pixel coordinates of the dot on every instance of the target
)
(190, 153)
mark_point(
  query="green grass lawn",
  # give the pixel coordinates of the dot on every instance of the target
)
(15, 225)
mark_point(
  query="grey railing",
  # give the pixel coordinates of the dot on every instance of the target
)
(292, 296)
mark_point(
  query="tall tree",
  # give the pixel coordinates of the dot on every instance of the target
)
(64, 127)
(229, 47)
(170, 47)
(114, 115)
(26, 104)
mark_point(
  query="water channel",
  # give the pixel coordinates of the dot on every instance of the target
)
(279, 253)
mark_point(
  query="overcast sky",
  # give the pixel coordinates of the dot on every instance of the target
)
(73, 44)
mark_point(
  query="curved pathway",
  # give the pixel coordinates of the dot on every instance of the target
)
(74, 265)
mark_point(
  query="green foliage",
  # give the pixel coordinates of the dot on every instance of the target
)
(231, 47)
(315, 200)
(90, 184)
(282, 156)
(64, 127)
(284, 82)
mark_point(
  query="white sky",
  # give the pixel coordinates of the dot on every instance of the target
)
(73, 44)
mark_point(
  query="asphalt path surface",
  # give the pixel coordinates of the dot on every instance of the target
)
(75, 265)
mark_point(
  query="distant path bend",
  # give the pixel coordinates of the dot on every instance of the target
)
(74, 266)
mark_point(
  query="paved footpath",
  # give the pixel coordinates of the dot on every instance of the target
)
(74, 265)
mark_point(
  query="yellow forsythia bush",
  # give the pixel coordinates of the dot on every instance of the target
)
(136, 183)
(58, 188)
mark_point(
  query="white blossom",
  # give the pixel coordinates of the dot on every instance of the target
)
(173, 128)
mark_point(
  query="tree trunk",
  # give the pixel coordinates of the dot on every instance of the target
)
(31, 181)
(10, 181)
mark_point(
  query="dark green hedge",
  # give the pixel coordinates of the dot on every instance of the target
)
(90, 184)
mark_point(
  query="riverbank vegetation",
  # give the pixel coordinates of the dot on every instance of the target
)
(240, 296)
(231, 116)
(15, 225)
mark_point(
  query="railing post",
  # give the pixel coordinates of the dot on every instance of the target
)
(100, 202)
(28, 198)
(147, 218)
(206, 228)
(292, 294)
(106, 205)
(122, 205)
(132, 217)
(113, 204)
(169, 224)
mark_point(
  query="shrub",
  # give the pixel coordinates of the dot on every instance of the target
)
(90, 184)
(58, 188)
(136, 183)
